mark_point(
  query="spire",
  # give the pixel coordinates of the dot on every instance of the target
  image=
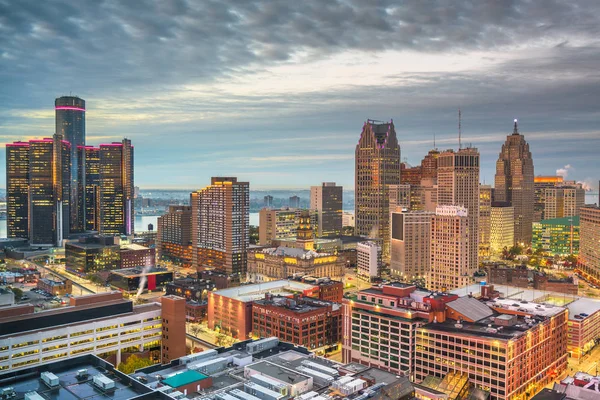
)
(515, 131)
(459, 130)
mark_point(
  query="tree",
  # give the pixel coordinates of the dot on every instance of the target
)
(195, 329)
(348, 230)
(253, 231)
(18, 293)
(133, 363)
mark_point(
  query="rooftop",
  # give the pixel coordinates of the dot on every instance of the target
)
(300, 305)
(566, 221)
(519, 293)
(133, 246)
(131, 272)
(524, 306)
(470, 308)
(283, 251)
(278, 372)
(583, 306)
(184, 378)
(71, 387)
(257, 291)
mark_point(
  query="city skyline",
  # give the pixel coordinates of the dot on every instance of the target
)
(309, 87)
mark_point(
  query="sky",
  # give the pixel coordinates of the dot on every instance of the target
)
(276, 92)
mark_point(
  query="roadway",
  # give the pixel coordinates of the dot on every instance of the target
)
(82, 288)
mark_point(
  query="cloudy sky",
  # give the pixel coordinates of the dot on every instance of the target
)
(276, 92)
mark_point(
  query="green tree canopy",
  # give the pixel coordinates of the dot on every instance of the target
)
(133, 363)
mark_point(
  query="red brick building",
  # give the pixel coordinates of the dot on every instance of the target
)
(173, 328)
(134, 255)
(303, 321)
(56, 288)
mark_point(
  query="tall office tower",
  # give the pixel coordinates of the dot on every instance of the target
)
(451, 249)
(540, 184)
(70, 123)
(429, 164)
(327, 200)
(116, 188)
(89, 188)
(294, 202)
(400, 197)
(220, 225)
(410, 257)
(377, 167)
(514, 183)
(485, 209)
(174, 235)
(502, 225)
(17, 189)
(49, 190)
(458, 185)
(276, 224)
(563, 201)
(268, 201)
(589, 237)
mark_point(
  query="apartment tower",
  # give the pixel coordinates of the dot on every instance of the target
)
(410, 257)
(17, 190)
(116, 188)
(327, 200)
(458, 185)
(377, 161)
(220, 225)
(451, 241)
(514, 183)
(70, 123)
(174, 235)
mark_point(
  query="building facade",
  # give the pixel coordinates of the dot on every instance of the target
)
(303, 321)
(410, 244)
(502, 227)
(584, 326)
(327, 199)
(563, 201)
(103, 324)
(70, 123)
(281, 223)
(514, 183)
(558, 236)
(220, 225)
(540, 184)
(511, 355)
(116, 188)
(88, 196)
(92, 255)
(38, 190)
(368, 261)
(485, 212)
(174, 237)
(450, 249)
(17, 190)
(377, 167)
(589, 237)
(458, 185)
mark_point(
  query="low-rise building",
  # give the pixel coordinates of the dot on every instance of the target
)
(559, 236)
(134, 255)
(230, 310)
(103, 324)
(137, 280)
(273, 263)
(56, 288)
(303, 321)
(92, 254)
(584, 326)
(498, 274)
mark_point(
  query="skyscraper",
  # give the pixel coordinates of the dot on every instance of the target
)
(540, 184)
(17, 189)
(377, 167)
(485, 209)
(451, 249)
(514, 182)
(410, 257)
(220, 225)
(49, 190)
(502, 226)
(458, 185)
(174, 236)
(89, 188)
(327, 200)
(116, 188)
(70, 123)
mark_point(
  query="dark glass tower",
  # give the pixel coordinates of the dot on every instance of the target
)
(116, 188)
(89, 186)
(17, 189)
(49, 188)
(70, 123)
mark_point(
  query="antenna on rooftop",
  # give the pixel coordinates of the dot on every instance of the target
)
(459, 129)
(434, 141)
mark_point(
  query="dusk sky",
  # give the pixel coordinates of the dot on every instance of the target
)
(276, 92)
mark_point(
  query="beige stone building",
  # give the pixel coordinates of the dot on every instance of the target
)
(450, 249)
(502, 227)
(563, 201)
(410, 244)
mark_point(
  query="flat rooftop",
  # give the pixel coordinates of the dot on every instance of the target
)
(583, 305)
(133, 246)
(543, 310)
(72, 388)
(257, 291)
(278, 372)
(519, 293)
(132, 272)
(304, 304)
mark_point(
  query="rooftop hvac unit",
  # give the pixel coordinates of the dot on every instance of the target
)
(320, 367)
(104, 383)
(33, 396)
(7, 393)
(203, 355)
(261, 345)
(49, 379)
(317, 374)
(82, 374)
